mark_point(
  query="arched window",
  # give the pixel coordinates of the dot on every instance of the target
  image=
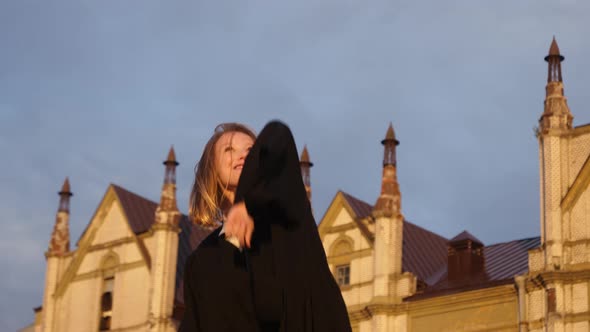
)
(342, 247)
(108, 267)
(341, 253)
(106, 304)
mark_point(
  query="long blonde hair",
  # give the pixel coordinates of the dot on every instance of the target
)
(207, 195)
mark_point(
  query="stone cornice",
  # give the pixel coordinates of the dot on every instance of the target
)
(100, 272)
(165, 227)
(131, 327)
(355, 286)
(464, 299)
(347, 258)
(341, 228)
(540, 280)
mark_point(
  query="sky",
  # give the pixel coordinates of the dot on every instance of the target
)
(98, 91)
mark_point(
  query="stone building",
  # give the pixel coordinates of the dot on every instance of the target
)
(397, 276)
(126, 272)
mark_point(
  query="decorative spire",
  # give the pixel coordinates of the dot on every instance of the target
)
(306, 164)
(556, 114)
(60, 237)
(65, 194)
(389, 202)
(389, 156)
(554, 59)
(168, 197)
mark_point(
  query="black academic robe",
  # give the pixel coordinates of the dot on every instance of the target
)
(282, 283)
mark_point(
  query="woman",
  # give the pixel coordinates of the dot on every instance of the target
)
(276, 277)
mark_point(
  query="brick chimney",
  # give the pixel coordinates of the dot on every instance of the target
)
(465, 257)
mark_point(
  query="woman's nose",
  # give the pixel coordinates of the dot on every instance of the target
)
(243, 153)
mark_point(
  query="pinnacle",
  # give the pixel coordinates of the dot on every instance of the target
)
(390, 135)
(171, 154)
(554, 49)
(171, 157)
(65, 189)
(305, 155)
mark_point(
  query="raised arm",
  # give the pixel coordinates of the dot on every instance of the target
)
(271, 185)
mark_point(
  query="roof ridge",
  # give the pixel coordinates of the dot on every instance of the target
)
(465, 235)
(354, 197)
(118, 187)
(426, 230)
(512, 241)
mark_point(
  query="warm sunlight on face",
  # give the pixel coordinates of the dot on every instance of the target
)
(230, 153)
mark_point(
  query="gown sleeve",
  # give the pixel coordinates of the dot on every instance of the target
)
(189, 321)
(271, 181)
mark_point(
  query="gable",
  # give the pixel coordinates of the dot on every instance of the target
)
(577, 188)
(113, 227)
(108, 228)
(342, 218)
(347, 213)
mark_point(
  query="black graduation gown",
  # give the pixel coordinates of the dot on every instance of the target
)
(283, 283)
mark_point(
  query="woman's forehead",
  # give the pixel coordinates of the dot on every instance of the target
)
(233, 137)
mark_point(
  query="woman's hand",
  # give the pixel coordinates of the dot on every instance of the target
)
(239, 224)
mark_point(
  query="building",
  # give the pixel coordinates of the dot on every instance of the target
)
(126, 272)
(397, 276)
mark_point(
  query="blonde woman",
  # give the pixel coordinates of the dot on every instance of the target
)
(264, 267)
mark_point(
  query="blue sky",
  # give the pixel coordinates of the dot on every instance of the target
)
(99, 91)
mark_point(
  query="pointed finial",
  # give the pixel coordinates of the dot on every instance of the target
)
(305, 157)
(171, 160)
(554, 51)
(65, 194)
(390, 135)
(65, 189)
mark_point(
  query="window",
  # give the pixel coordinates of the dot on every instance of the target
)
(551, 305)
(343, 275)
(106, 305)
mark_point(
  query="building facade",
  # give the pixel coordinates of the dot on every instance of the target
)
(397, 276)
(126, 271)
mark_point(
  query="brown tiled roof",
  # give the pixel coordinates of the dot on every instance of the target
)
(424, 252)
(360, 208)
(503, 261)
(140, 211)
(362, 211)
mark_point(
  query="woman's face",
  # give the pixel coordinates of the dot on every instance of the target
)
(230, 153)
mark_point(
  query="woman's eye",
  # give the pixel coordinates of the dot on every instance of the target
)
(228, 148)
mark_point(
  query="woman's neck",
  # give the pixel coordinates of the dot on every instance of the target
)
(228, 200)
